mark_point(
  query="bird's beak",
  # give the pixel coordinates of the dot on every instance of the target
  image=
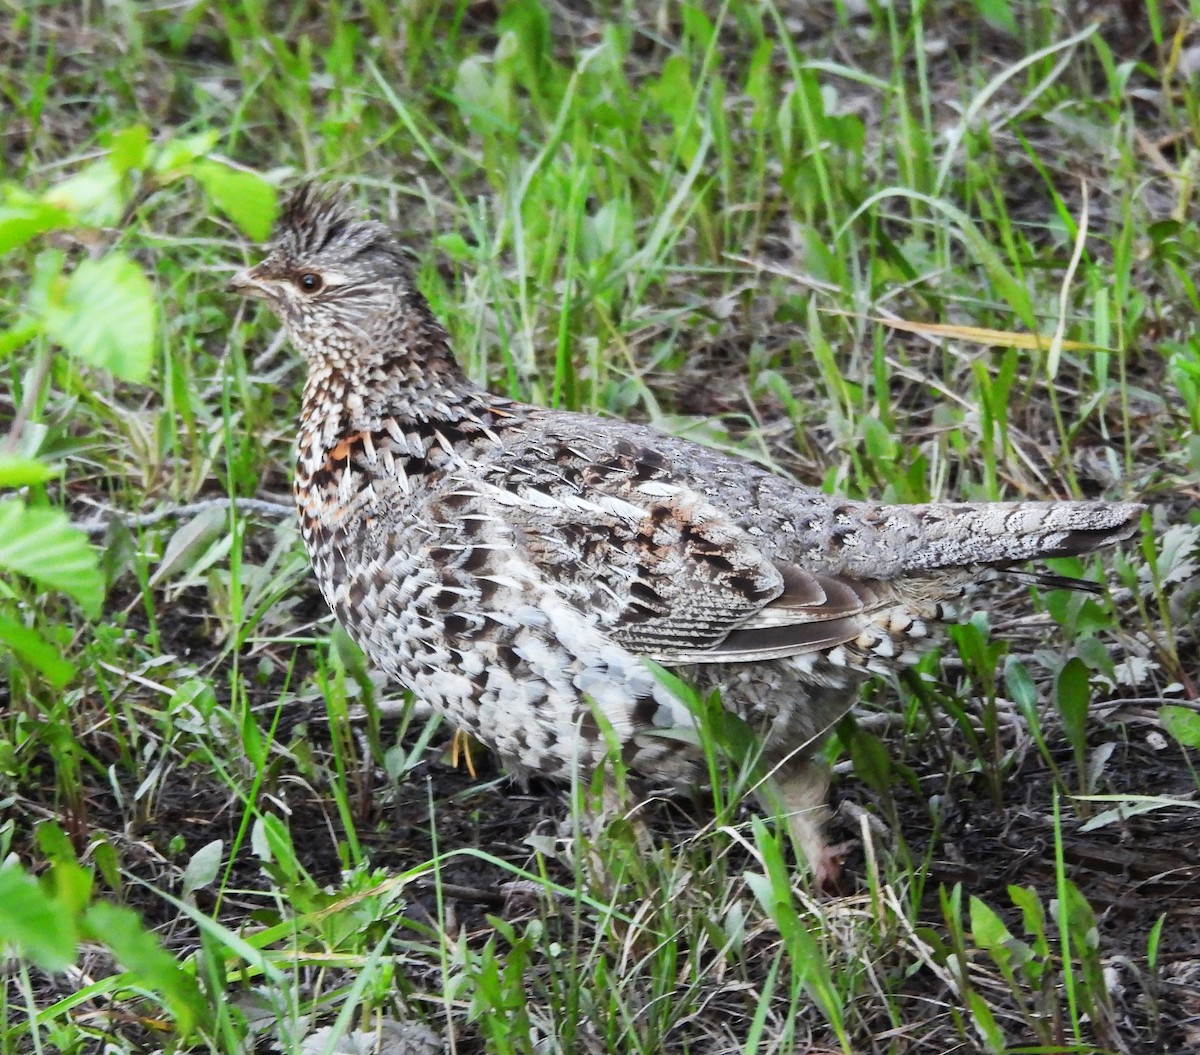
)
(248, 284)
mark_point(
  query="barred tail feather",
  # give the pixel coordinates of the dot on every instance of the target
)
(1001, 533)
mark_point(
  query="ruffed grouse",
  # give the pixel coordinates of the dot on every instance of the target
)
(514, 566)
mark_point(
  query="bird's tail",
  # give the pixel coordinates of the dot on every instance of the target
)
(1002, 533)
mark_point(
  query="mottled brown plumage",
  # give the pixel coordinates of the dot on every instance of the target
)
(514, 565)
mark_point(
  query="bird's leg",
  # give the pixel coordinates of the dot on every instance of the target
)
(797, 789)
(460, 746)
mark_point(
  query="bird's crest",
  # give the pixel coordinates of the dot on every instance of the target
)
(313, 216)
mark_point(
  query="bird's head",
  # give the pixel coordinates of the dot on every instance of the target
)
(338, 283)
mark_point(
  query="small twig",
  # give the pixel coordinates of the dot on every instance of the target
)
(98, 525)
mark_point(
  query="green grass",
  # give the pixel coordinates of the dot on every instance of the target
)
(738, 222)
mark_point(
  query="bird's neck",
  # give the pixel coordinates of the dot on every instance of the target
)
(403, 383)
(406, 373)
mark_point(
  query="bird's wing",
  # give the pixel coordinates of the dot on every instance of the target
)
(665, 573)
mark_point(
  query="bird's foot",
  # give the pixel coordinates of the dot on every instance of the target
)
(461, 745)
(827, 867)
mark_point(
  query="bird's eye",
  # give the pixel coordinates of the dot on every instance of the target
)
(310, 282)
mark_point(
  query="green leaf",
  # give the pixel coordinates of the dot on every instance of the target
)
(177, 155)
(20, 333)
(999, 13)
(674, 91)
(72, 886)
(456, 247)
(107, 861)
(92, 196)
(676, 686)
(55, 843)
(987, 928)
(1182, 723)
(1096, 655)
(42, 545)
(475, 94)
(17, 470)
(147, 962)
(202, 869)
(39, 653)
(879, 442)
(1033, 915)
(1073, 693)
(32, 923)
(1020, 685)
(245, 197)
(1153, 941)
(1130, 806)
(105, 315)
(872, 764)
(23, 217)
(990, 933)
(127, 151)
(985, 1022)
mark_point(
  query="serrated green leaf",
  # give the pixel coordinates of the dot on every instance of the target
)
(1080, 918)
(276, 840)
(1097, 656)
(17, 470)
(1177, 552)
(32, 924)
(41, 545)
(105, 316)
(245, 197)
